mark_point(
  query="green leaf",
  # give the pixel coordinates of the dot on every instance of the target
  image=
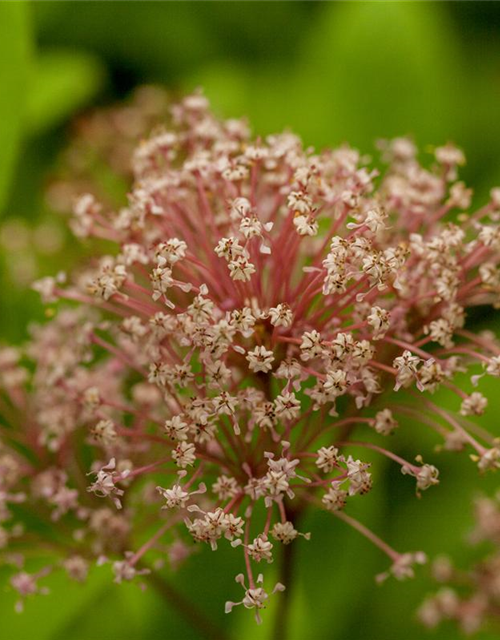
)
(364, 70)
(64, 82)
(383, 69)
(15, 40)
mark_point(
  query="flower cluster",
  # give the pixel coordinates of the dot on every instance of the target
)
(261, 305)
(470, 597)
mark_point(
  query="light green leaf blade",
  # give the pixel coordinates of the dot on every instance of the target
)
(15, 41)
(374, 69)
(64, 81)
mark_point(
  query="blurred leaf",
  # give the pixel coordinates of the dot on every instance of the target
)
(362, 62)
(147, 41)
(481, 132)
(381, 69)
(14, 69)
(64, 82)
(163, 41)
(365, 70)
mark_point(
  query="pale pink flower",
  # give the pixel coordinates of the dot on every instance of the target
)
(262, 303)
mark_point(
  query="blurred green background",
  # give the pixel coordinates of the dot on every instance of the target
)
(333, 72)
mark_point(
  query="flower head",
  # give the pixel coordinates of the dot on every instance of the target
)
(262, 302)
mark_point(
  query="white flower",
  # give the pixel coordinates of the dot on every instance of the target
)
(441, 331)
(225, 404)
(217, 373)
(360, 480)
(104, 432)
(490, 274)
(384, 422)
(261, 549)
(374, 220)
(287, 406)
(306, 225)
(260, 359)
(289, 369)
(175, 497)
(176, 428)
(104, 484)
(184, 455)
(47, 287)
(379, 319)
(460, 196)
(108, 282)
(125, 571)
(493, 366)
(234, 526)
(474, 405)
(431, 375)
(241, 269)
(243, 320)
(225, 487)
(311, 346)
(406, 365)
(250, 227)
(490, 459)
(342, 345)
(402, 567)
(299, 202)
(76, 567)
(170, 252)
(335, 498)
(161, 279)
(240, 207)
(281, 315)
(255, 598)
(285, 532)
(427, 475)
(229, 248)
(335, 383)
(327, 459)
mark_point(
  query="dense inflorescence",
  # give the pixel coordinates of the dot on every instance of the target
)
(470, 596)
(260, 302)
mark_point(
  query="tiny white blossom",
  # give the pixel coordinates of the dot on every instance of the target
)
(261, 549)
(176, 428)
(384, 422)
(184, 455)
(241, 269)
(287, 406)
(335, 498)
(327, 459)
(281, 315)
(475, 404)
(260, 359)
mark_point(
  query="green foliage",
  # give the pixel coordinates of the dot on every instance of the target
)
(389, 68)
(15, 53)
(64, 82)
